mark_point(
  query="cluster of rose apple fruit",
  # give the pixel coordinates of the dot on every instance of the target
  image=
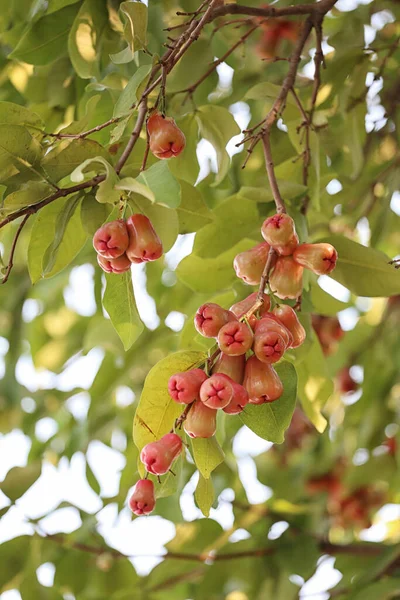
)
(249, 343)
(118, 243)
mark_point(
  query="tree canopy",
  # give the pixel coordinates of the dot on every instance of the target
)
(285, 108)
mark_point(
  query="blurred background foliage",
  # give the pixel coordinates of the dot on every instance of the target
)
(69, 389)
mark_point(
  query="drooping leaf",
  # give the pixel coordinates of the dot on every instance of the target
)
(68, 155)
(19, 479)
(204, 495)
(192, 212)
(128, 96)
(106, 191)
(271, 420)
(159, 179)
(133, 185)
(20, 152)
(119, 302)
(85, 37)
(207, 455)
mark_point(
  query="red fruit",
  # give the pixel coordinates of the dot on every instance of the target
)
(329, 483)
(278, 230)
(319, 258)
(289, 319)
(166, 139)
(144, 243)
(345, 382)
(217, 391)
(235, 338)
(286, 280)
(270, 322)
(328, 331)
(241, 308)
(121, 264)
(289, 248)
(239, 400)
(233, 366)
(112, 239)
(269, 346)
(158, 456)
(143, 501)
(274, 31)
(185, 387)
(210, 318)
(250, 264)
(391, 445)
(261, 382)
(201, 421)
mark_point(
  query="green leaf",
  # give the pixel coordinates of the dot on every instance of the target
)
(207, 455)
(93, 214)
(156, 411)
(135, 30)
(13, 556)
(62, 222)
(106, 191)
(128, 96)
(133, 185)
(14, 114)
(43, 234)
(68, 155)
(270, 421)
(325, 304)
(119, 302)
(288, 189)
(19, 151)
(186, 165)
(19, 479)
(29, 193)
(218, 126)
(382, 590)
(315, 384)
(85, 38)
(204, 495)
(46, 39)
(159, 179)
(364, 271)
(211, 274)
(193, 213)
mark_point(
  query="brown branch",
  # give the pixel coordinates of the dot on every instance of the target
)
(265, 275)
(191, 89)
(269, 165)
(142, 111)
(270, 11)
(13, 248)
(78, 136)
(318, 62)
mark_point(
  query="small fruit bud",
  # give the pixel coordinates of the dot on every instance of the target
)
(289, 319)
(235, 338)
(261, 382)
(269, 346)
(319, 258)
(278, 230)
(144, 243)
(217, 391)
(249, 265)
(241, 308)
(233, 366)
(158, 456)
(111, 240)
(286, 280)
(166, 139)
(201, 422)
(238, 402)
(210, 318)
(121, 264)
(143, 501)
(185, 387)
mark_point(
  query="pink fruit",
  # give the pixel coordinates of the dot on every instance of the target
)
(278, 230)
(286, 280)
(158, 456)
(233, 366)
(144, 243)
(185, 387)
(270, 322)
(269, 346)
(238, 402)
(217, 391)
(261, 382)
(143, 501)
(201, 421)
(319, 258)
(235, 338)
(250, 264)
(166, 139)
(210, 318)
(289, 319)
(111, 240)
(121, 264)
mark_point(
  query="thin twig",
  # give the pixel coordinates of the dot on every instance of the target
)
(265, 275)
(142, 111)
(78, 136)
(13, 248)
(269, 165)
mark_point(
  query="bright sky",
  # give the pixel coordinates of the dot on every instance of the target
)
(146, 536)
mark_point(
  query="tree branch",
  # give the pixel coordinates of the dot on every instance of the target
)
(13, 248)
(142, 111)
(79, 136)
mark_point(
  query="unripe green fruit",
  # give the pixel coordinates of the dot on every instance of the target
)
(249, 265)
